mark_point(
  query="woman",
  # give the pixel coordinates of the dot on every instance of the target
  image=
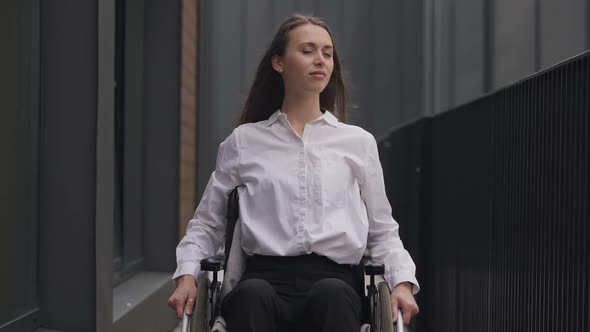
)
(312, 199)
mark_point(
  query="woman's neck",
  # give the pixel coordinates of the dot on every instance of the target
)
(301, 109)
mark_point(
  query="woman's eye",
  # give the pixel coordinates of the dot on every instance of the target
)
(307, 51)
(328, 55)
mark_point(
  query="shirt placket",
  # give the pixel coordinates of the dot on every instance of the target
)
(301, 208)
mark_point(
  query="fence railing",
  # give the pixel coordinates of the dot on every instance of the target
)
(493, 200)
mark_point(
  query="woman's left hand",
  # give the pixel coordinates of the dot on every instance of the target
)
(402, 298)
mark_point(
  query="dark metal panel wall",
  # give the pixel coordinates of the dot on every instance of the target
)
(403, 156)
(162, 123)
(459, 212)
(67, 170)
(539, 254)
(19, 78)
(102, 302)
(501, 206)
(133, 130)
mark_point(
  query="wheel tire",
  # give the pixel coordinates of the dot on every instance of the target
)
(384, 318)
(201, 317)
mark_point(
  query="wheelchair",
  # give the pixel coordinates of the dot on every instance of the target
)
(211, 290)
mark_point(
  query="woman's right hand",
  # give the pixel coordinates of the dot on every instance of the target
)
(183, 298)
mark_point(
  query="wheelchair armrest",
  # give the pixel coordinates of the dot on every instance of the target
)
(213, 263)
(373, 268)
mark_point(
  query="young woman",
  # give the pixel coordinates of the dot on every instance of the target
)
(312, 199)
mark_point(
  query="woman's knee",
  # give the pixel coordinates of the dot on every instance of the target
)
(331, 289)
(250, 306)
(254, 288)
(333, 305)
(252, 291)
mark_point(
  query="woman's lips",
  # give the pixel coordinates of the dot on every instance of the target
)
(318, 75)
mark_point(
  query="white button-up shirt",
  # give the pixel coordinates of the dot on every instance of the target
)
(320, 193)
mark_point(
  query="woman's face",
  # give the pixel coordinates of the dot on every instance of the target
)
(306, 66)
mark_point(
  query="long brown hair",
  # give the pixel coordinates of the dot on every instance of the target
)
(267, 92)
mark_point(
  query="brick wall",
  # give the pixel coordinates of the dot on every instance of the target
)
(188, 142)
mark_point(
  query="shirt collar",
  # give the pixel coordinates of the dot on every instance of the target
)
(328, 117)
(274, 117)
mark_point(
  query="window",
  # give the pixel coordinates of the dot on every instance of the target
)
(127, 237)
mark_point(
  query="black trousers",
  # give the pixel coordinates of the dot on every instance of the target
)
(301, 293)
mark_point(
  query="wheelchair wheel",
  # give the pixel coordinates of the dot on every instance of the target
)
(201, 312)
(384, 320)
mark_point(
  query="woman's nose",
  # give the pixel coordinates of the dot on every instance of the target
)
(319, 60)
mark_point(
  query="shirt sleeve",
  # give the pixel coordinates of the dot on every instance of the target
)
(384, 243)
(206, 230)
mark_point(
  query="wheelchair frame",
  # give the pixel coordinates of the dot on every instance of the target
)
(206, 314)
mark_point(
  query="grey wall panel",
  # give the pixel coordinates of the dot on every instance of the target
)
(257, 33)
(308, 7)
(428, 63)
(386, 57)
(357, 44)
(67, 186)
(162, 133)
(221, 100)
(18, 162)
(133, 140)
(562, 30)
(469, 47)
(514, 44)
(398, 60)
(443, 85)
(331, 11)
(105, 162)
(411, 50)
(282, 10)
(205, 148)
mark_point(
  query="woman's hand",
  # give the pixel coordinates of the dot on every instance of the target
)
(402, 298)
(183, 298)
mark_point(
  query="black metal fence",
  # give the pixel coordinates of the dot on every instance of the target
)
(493, 200)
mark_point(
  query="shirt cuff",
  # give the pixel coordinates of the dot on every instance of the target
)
(187, 268)
(397, 278)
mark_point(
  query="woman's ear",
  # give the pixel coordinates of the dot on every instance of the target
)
(277, 64)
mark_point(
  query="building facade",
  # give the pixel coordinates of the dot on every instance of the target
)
(111, 113)
(99, 104)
